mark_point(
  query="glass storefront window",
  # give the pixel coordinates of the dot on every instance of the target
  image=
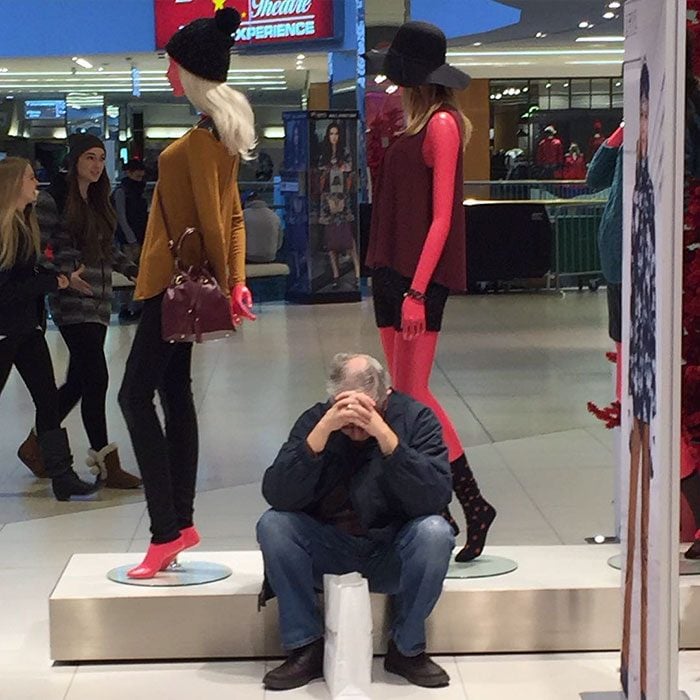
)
(581, 94)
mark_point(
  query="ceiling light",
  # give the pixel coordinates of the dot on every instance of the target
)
(273, 132)
(498, 96)
(609, 15)
(600, 39)
(618, 83)
(566, 84)
(540, 35)
(301, 57)
(379, 79)
(4, 70)
(391, 89)
(526, 89)
(517, 91)
(165, 132)
(584, 25)
(476, 43)
(493, 97)
(83, 63)
(60, 133)
(548, 86)
(614, 5)
(100, 69)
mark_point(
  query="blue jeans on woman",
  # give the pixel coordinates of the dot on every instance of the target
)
(298, 550)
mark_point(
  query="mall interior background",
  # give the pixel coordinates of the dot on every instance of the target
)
(519, 359)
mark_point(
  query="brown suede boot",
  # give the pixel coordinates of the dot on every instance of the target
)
(106, 466)
(29, 453)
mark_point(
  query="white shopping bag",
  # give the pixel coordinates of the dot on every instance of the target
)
(347, 663)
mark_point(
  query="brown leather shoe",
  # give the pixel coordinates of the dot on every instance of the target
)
(106, 466)
(301, 667)
(29, 453)
(419, 670)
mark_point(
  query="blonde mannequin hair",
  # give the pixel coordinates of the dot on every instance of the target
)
(420, 103)
(230, 110)
(14, 225)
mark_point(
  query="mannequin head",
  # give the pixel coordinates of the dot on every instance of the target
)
(200, 57)
(230, 110)
(420, 103)
(574, 150)
(174, 79)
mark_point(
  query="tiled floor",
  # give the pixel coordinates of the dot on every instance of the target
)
(514, 371)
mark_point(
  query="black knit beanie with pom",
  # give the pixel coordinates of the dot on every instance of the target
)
(203, 47)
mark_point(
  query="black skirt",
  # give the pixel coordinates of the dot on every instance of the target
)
(388, 289)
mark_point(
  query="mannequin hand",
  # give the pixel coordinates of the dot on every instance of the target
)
(241, 304)
(615, 140)
(412, 318)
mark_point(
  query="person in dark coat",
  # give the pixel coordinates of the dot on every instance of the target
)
(358, 486)
(24, 282)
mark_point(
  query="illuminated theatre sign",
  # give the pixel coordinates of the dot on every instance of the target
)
(263, 22)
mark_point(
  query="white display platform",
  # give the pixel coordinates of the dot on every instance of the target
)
(561, 598)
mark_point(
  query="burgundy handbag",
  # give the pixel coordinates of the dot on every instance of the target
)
(194, 308)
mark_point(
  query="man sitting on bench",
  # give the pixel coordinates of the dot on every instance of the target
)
(358, 486)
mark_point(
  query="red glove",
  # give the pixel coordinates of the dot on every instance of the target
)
(615, 140)
(412, 318)
(241, 304)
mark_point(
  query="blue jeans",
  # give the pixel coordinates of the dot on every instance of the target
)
(298, 550)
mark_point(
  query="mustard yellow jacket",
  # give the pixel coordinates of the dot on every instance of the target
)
(197, 187)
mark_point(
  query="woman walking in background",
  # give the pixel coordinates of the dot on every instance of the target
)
(23, 285)
(86, 240)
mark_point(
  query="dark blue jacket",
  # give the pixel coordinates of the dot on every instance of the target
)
(605, 171)
(386, 492)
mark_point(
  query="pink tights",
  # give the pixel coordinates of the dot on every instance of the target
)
(410, 363)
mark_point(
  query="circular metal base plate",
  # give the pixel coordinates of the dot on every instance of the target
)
(484, 566)
(184, 573)
(687, 567)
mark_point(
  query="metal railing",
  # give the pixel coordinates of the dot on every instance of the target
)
(575, 225)
(528, 189)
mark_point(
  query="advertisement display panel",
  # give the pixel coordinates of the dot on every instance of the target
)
(652, 254)
(320, 185)
(263, 22)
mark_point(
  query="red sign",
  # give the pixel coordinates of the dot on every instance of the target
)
(263, 22)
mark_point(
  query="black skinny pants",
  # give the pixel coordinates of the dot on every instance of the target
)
(86, 380)
(30, 355)
(167, 458)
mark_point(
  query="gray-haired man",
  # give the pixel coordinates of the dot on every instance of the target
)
(358, 486)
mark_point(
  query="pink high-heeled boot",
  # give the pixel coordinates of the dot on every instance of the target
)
(191, 539)
(190, 536)
(157, 558)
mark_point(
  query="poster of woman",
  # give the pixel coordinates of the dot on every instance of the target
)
(334, 183)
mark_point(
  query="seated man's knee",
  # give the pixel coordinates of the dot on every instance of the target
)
(433, 534)
(275, 526)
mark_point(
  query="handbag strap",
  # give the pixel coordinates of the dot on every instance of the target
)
(176, 248)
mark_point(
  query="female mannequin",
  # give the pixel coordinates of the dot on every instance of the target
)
(196, 187)
(417, 245)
